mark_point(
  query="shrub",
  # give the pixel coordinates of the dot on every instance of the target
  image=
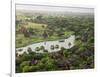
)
(20, 49)
(42, 48)
(52, 47)
(62, 48)
(69, 44)
(48, 63)
(37, 49)
(24, 63)
(45, 50)
(29, 50)
(26, 69)
(33, 68)
(57, 46)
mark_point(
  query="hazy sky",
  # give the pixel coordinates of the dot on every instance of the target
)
(54, 9)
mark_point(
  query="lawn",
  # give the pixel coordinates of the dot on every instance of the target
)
(35, 26)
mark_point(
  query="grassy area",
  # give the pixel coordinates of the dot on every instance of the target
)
(35, 26)
(22, 41)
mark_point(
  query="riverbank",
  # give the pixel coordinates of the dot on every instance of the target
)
(48, 45)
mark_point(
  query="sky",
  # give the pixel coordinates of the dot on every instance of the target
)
(53, 8)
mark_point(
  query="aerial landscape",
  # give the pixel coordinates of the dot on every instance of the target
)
(53, 38)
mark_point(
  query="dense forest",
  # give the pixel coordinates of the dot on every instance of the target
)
(31, 28)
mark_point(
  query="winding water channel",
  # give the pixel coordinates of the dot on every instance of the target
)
(47, 45)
